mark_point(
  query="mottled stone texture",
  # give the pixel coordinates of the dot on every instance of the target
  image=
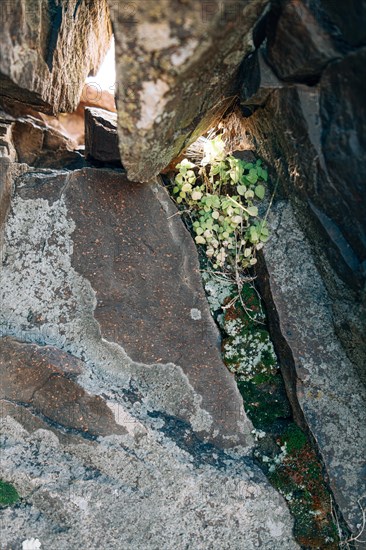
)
(324, 386)
(48, 48)
(129, 275)
(121, 426)
(303, 95)
(176, 63)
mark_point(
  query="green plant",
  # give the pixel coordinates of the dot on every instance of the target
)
(8, 494)
(220, 195)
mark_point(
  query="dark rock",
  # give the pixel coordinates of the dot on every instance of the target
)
(343, 139)
(298, 47)
(101, 138)
(42, 379)
(258, 80)
(325, 389)
(176, 68)
(290, 132)
(48, 50)
(346, 20)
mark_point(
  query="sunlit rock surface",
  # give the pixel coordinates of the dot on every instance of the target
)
(49, 48)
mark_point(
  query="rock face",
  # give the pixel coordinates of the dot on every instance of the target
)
(307, 119)
(32, 141)
(326, 390)
(101, 138)
(116, 397)
(176, 63)
(40, 381)
(315, 134)
(49, 48)
(142, 267)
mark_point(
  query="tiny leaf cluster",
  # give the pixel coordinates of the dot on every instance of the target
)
(221, 195)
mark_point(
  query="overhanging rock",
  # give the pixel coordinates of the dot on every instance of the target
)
(176, 64)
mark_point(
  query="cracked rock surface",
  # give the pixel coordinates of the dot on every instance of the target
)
(122, 427)
(323, 385)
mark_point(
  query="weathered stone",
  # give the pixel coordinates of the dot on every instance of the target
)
(176, 67)
(141, 263)
(298, 47)
(343, 138)
(346, 21)
(323, 385)
(134, 491)
(48, 50)
(290, 132)
(7, 148)
(98, 267)
(42, 379)
(101, 138)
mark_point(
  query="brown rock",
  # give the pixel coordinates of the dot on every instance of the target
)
(49, 48)
(36, 143)
(101, 139)
(176, 67)
(43, 379)
(134, 251)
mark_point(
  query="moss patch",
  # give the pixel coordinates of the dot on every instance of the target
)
(283, 451)
(8, 494)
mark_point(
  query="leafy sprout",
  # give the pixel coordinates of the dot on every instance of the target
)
(221, 195)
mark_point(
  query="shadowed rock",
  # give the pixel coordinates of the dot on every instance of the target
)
(101, 139)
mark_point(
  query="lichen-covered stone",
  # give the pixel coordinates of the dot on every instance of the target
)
(176, 63)
(320, 377)
(105, 274)
(49, 48)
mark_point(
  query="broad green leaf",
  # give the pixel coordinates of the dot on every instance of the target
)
(260, 191)
(252, 210)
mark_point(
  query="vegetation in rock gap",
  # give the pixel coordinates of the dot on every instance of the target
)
(220, 195)
(8, 494)
(283, 451)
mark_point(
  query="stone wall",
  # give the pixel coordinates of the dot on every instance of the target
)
(311, 123)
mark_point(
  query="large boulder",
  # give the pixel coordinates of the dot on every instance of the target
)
(324, 387)
(125, 294)
(49, 48)
(128, 408)
(176, 63)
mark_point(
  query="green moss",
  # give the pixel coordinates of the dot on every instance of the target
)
(8, 494)
(264, 400)
(294, 438)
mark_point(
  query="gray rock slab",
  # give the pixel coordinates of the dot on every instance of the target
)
(137, 491)
(100, 283)
(107, 271)
(321, 379)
